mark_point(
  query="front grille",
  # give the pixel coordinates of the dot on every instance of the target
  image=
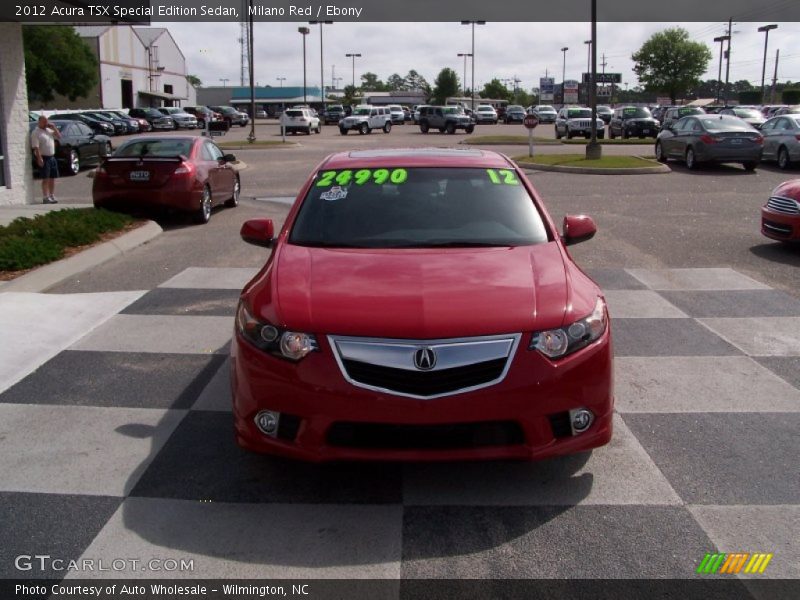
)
(778, 229)
(786, 206)
(425, 437)
(425, 383)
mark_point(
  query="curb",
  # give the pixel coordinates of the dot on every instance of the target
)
(247, 146)
(535, 143)
(654, 170)
(46, 276)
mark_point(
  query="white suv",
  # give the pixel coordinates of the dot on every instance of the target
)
(365, 118)
(485, 114)
(300, 119)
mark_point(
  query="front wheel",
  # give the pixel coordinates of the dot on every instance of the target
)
(569, 134)
(783, 158)
(74, 162)
(611, 133)
(469, 128)
(203, 214)
(750, 165)
(363, 129)
(558, 135)
(387, 127)
(660, 156)
(424, 127)
(108, 149)
(343, 131)
(233, 201)
(691, 161)
(450, 128)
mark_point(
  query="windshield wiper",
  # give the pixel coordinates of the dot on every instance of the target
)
(462, 244)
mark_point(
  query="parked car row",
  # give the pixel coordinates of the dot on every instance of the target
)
(79, 146)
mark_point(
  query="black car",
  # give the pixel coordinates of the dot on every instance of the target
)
(120, 127)
(154, 117)
(514, 114)
(78, 147)
(633, 121)
(95, 124)
(674, 113)
(333, 114)
(131, 123)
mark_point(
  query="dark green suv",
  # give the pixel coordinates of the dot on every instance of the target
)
(445, 119)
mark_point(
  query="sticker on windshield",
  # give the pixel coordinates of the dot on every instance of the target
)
(335, 193)
(362, 176)
(502, 177)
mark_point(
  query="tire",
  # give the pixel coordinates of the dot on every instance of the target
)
(611, 133)
(750, 165)
(73, 162)
(660, 156)
(783, 158)
(691, 161)
(424, 127)
(441, 129)
(450, 128)
(363, 129)
(318, 130)
(625, 134)
(308, 130)
(600, 136)
(469, 128)
(233, 201)
(387, 128)
(203, 213)
(569, 134)
(108, 149)
(343, 131)
(558, 135)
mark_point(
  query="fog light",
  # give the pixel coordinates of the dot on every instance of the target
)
(580, 419)
(267, 422)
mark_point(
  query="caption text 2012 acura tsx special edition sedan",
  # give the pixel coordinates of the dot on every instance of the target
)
(421, 305)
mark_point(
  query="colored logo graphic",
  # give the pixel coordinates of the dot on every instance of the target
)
(733, 563)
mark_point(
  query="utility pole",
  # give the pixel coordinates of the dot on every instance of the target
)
(721, 39)
(603, 78)
(594, 150)
(728, 58)
(765, 30)
(774, 77)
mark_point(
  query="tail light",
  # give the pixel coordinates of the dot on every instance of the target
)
(759, 140)
(797, 136)
(100, 172)
(185, 168)
(710, 139)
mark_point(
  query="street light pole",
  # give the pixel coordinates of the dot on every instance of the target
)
(728, 59)
(594, 151)
(721, 39)
(281, 79)
(765, 29)
(225, 81)
(473, 23)
(563, 74)
(304, 31)
(464, 83)
(588, 64)
(321, 66)
(353, 56)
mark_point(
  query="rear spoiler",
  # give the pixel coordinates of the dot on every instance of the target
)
(176, 158)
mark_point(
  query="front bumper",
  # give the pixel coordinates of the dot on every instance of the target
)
(320, 401)
(778, 226)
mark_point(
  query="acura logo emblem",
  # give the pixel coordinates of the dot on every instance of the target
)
(424, 359)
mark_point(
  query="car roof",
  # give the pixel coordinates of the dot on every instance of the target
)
(418, 157)
(161, 138)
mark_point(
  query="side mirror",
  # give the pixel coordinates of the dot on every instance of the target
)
(228, 158)
(578, 228)
(259, 232)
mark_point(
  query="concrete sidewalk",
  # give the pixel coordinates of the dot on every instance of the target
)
(46, 276)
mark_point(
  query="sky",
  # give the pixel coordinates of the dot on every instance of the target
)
(503, 50)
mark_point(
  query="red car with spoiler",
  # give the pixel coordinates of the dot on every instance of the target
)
(184, 174)
(420, 305)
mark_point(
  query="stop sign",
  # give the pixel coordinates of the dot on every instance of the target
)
(530, 121)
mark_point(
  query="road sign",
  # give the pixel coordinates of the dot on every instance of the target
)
(546, 89)
(530, 121)
(603, 78)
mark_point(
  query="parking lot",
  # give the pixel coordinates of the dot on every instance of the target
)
(133, 398)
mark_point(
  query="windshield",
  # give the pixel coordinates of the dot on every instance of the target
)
(165, 147)
(747, 113)
(579, 113)
(690, 111)
(515, 108)
(485, 109)
(635, 113)
(417, 208)
(545, 109)
(361, 111)
(452, 110)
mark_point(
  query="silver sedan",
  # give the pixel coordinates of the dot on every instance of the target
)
(710, 138)
(782, 139)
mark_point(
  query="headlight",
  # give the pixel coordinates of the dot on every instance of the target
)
(292, 345)
(556, 343)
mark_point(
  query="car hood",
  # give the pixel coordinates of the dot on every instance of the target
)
(417, 293)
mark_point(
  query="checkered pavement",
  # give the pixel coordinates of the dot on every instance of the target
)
(120, 445)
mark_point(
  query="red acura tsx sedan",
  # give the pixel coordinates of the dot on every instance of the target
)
(182, 174)
(421, 305)
(780, 216)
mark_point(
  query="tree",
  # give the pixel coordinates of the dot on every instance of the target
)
(371, 83)
(495, 90)
(57, 61)
(670, 62)
(349, 95)
(446, 85)
(395, 82)
(194, 80)
(415, 81)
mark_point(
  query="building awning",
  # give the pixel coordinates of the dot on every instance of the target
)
(292, 100)
(701, 102)
(162, 95)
